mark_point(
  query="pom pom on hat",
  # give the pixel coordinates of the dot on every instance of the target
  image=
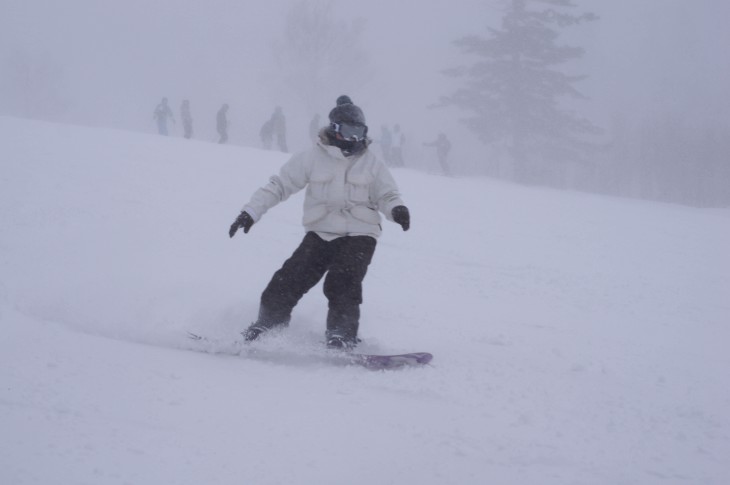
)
(344, 99)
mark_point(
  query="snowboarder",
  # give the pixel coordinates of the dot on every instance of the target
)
(222, 123)
(187, 119)
(443, 146)
(347, 186)
(161, 113)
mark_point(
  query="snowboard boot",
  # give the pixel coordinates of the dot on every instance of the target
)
(342, 328)
(336, 342)
(253, 332)
(262, 325)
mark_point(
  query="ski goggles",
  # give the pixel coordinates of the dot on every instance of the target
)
(350, 132)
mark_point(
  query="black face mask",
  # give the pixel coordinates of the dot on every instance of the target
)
(348, 147)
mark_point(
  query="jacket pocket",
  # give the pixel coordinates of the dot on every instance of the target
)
(314, 214)
(365, 214)
(319, 184)
(358, 187)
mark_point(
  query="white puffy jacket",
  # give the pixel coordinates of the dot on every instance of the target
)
(344, 194)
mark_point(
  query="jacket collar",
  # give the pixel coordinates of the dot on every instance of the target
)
(333, 151)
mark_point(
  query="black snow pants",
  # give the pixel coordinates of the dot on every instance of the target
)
(345, 260)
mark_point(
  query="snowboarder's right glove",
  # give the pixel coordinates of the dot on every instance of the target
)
(401, 216)
(244, 221)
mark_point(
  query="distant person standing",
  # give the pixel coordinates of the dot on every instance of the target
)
(443, 146)
(266, 133)
(386, 143)
(278, 128)
(161, 114)
(314, 129)
(396, 151)
(187, 119)
(222, 123)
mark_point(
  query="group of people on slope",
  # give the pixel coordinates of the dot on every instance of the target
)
(275, 127)
(391, 143)
(163, 113)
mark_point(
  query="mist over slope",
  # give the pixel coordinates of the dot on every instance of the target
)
(577, 338)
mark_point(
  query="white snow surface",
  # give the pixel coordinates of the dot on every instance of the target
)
(578, 339)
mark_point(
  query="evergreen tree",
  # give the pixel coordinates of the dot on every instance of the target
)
(319, 54)
(512, 92)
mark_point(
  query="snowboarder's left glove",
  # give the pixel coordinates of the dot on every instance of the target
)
(244, 221)
(401, 216)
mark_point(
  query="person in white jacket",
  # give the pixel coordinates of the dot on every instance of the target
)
(348, 187)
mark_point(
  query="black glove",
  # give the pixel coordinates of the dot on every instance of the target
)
(401, 216)
(244, 220)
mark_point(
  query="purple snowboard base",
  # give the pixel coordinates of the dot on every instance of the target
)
(387, 362)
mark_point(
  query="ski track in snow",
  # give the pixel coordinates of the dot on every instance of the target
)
(578, 339)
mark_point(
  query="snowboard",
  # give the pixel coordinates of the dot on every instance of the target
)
(368, 361)
(387, 362)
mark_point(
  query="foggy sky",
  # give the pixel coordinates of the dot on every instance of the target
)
(119, 58)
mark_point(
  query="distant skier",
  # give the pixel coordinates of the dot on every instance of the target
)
(396, 150)
(386, 143)
(278, 128)
(222, 123)
(267, 134)
(443, 146)
(161, 114)
(187, 119)
(314, 128)
(346, 188)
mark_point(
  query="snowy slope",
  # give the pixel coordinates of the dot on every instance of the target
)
(578, 339)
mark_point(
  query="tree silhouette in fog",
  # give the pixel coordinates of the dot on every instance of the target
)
(319, 55)
(513, 92)
(32, 86)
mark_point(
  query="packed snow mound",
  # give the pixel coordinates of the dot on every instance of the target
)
(577, 338)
